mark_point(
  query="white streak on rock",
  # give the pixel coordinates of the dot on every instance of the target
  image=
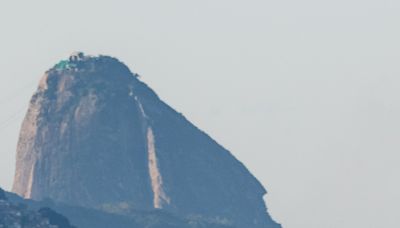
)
(160, 198)
(141, 108)
(28, 193)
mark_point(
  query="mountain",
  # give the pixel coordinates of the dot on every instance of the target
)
(96, 136)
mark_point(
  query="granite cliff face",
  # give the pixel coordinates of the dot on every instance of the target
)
(98, 137)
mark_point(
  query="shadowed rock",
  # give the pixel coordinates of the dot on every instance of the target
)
(2, 194)
(55, 218)
(19, 215)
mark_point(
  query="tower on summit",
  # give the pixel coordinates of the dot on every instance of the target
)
(76, 56)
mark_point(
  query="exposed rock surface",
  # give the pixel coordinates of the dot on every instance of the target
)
(98, 137)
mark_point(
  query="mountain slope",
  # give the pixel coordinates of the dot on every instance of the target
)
(96, 136)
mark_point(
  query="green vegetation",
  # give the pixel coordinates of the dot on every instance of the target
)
(64, 64)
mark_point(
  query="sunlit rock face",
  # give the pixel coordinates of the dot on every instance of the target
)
(96, 136)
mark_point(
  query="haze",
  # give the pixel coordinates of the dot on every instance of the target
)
(305, 93)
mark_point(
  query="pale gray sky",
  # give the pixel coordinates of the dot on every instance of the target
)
(305, 93)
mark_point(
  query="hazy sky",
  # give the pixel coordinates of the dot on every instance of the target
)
(305, 93)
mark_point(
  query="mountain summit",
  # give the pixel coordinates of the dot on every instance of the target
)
(96, 136)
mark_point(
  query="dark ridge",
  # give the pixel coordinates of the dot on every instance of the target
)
(2, 195)
(91, 218)
(55, 218)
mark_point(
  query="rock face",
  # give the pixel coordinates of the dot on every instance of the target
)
(98, 137)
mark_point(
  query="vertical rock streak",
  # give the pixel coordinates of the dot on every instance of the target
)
(28, 193)
(159, 195)
(155, 176)
(141, 109)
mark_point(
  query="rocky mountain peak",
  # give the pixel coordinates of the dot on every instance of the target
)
(96, 136)
(78, 63)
